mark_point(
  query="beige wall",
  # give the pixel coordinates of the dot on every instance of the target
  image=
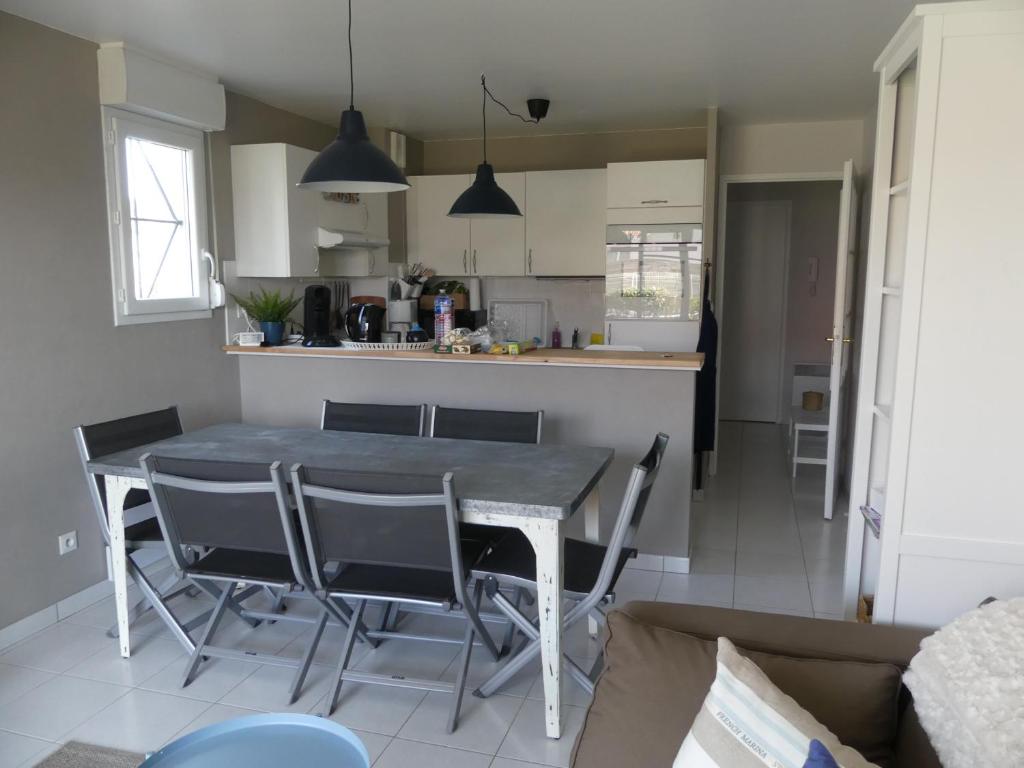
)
(820, 147)
(62, 361)
(565, 151)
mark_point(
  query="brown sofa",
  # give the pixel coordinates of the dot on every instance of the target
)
(660, 662)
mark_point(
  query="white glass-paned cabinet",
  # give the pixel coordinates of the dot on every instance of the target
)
(939, 416)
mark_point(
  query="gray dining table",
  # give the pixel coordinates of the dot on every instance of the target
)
(535, 488)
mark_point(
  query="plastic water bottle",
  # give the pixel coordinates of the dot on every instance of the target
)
(444, 316)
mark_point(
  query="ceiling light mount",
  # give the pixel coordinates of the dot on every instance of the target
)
(538, 108)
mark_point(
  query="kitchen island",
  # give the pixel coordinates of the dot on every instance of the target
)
(611, 399)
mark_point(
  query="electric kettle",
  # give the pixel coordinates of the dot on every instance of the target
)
(364, 322)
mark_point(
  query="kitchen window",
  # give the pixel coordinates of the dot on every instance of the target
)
(156, 192)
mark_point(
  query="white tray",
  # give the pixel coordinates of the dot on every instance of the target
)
(400, 346)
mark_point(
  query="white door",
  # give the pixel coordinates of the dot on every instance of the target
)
(434, 238)
(753, 310)
(565, 222)
(498, 246)
(842, 325)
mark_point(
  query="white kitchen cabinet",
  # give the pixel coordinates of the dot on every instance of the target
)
(433, 238)
(275, 221)
(565, 222)
(657, 184)
(939, 416)
(497, 247)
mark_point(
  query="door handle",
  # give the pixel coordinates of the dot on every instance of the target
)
(529, 259)
(847, 340)
(653, 202)
(465, 268)
(474, 261)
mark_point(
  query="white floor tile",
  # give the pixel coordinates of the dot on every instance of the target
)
(403, 754)
(768, 564)
(140, 721)
(780, 592)
(215, 678)
(58, 648)
(508, 762)
(381, 709)
(805, 612)
(527, 741)
(696, 589)
(267, 688)
(635, 584)
(17, 681)
(16, 749)
(375, 743)
(58, 706)
(215, 713)
(149, 656)
(572, 694)
(412, 658)
(482, 667)
(712, 562)
(482, 723)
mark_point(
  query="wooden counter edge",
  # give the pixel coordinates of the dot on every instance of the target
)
(685, 361)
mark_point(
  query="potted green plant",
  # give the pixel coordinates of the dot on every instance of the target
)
(270, 309)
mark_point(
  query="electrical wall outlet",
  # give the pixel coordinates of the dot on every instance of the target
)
(67, 542)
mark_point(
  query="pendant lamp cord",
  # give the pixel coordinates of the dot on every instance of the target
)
(351, 69)
(483, 106)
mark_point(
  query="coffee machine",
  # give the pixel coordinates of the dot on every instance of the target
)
(364, 322)
(317, 317)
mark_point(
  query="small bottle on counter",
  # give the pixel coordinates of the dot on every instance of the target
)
(416, 334)
(575, 338)
(444, 316)
(556, 337)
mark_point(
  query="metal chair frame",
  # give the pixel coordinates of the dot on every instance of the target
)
(539, 415)
(470, 606)
(588, 604)
(154, 597)
(225, 596)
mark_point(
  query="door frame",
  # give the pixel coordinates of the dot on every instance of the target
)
(718, 265)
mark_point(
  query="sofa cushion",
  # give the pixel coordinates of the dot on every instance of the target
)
(655, 680)
(747, 722)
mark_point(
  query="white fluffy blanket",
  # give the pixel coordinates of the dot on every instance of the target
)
(968, 686)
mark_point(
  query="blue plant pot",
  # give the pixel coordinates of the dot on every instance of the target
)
(273, 333)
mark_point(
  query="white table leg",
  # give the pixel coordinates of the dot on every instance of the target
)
(592, 532)
(117, 489)
(547, 539)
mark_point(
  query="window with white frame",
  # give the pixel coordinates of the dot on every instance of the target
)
(156, 191)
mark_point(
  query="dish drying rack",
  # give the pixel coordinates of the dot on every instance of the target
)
(388, 346)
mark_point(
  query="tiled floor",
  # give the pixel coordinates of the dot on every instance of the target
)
(760, 541)
(755, 547)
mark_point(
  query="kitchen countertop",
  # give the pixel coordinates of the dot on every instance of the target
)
(660, 361)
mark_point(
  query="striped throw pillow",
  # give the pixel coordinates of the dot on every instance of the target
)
(746, 722)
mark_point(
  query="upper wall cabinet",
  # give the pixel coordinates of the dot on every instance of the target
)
(565, 222)
(432, 237)
(664, 183)
(454, 247)
(277, 223)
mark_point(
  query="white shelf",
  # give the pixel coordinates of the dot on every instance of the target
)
(900, 188)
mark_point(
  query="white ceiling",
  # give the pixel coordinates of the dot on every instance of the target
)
(605, 64)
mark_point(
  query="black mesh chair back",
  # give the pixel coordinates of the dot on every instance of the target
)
(650, 464)
(373, 418)
(497, 426)
(372, 518)
(227, 504)
(107, 437)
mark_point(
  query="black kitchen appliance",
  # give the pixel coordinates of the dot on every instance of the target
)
(364, 322)
(317, 317)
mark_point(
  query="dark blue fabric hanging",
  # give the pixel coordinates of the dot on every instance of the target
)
(704, 406)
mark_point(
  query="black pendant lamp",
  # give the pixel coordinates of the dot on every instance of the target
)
(484, 199)
(352, 163)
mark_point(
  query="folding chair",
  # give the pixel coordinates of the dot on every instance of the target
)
(391, 538)
(590, 573)
(241, 514)
(102, 439)
(496, 426)
(373, 418)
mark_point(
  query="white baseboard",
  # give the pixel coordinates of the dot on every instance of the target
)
(50, 615)
(662, 563)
